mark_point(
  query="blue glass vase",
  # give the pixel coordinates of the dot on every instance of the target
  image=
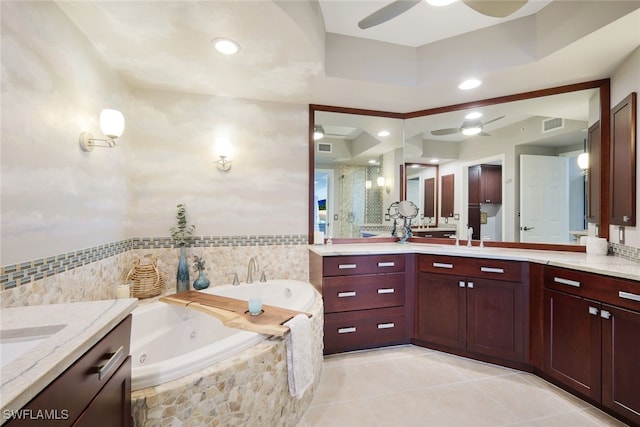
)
(201, 282)
(183, 273)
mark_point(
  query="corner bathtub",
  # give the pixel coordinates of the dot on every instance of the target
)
(169, 341)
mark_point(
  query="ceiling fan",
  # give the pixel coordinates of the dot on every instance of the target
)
(468, 128)
(494, 8)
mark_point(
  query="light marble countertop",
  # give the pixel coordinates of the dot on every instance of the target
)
(599, 264)
(83, 324)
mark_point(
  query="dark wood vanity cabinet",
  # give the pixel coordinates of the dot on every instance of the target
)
(591, 334)
(364, 300)
(474, 306)
(94, 391)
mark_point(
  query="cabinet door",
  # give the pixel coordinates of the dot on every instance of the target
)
(491, 186)
(441, 310)
(112, 406)
(495, 318)
(446, 210)
(572, 342)
(620, 356)
(622, 188)
(474, 184)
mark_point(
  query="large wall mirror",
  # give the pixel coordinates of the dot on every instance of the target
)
(357, 156)
(517, 179)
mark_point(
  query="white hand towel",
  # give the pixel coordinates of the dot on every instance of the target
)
(299, 355)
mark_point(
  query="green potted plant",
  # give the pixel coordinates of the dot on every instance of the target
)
(181, 234)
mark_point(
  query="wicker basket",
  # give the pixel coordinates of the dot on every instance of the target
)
(146, 279)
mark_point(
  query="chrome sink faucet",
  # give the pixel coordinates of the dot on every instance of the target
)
(455, 236)
(252, 268)
(470, 237)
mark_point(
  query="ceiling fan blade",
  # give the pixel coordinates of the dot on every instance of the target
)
(494, 120)
(448, 131)
(495, 8)
(386, 13)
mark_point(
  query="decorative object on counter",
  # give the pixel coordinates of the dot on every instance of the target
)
(201, 282)
(146, 279)
(123, 291)
(182, 234)
(407, 210)
(392, 213)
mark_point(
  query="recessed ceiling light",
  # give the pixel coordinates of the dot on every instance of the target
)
(372, 162)
(473, 115)
(469, 84)
(226, 46)
(434, 160)
(384, 133)
(440, 2)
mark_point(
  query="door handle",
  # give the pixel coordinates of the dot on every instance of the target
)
(525, 228)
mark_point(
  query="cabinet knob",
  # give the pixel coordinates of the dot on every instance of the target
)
(470, 285)
(462, 284)
(593, 311)
(605, 314)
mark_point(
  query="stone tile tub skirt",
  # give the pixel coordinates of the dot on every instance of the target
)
(248, 388)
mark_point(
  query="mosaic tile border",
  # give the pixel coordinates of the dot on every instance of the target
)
(26, 272)
(627, 252)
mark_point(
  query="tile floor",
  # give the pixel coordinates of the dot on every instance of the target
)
(412, 386)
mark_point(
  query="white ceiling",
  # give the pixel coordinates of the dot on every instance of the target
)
(421, 25)
(284, 57)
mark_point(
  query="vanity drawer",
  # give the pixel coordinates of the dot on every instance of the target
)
(440, 264)
(345, 293)
(494, 269)
(363, 329)
(74, 389)
(618, 292)
(362, 264)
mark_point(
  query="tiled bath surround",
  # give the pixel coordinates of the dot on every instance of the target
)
(93, 274)
(248, 389)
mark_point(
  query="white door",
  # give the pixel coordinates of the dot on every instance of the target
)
(544, 199)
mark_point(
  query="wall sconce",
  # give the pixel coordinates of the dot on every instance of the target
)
(111, 124)
(223, 149)
(368, 184)
(318, 132)
(583, 161)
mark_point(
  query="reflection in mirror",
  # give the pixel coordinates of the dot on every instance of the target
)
(517, 178)
(356, 161)
(422, 191)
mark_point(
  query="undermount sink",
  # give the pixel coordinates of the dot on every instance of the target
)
(15, 342)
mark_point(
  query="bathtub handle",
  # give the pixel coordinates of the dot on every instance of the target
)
(103, 370)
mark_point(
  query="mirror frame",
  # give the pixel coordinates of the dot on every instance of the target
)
(604, 87)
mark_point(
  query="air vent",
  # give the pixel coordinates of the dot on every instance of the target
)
(325, 147)
(552, 124)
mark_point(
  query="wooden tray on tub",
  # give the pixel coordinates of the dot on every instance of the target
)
(234, 313)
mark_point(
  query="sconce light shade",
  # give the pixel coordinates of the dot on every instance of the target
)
(223, 149)
(112, 123)
(318, 132)
(380, 181)
(583, 161)
(368, 184)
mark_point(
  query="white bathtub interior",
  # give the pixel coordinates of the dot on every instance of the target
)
(168, 341)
